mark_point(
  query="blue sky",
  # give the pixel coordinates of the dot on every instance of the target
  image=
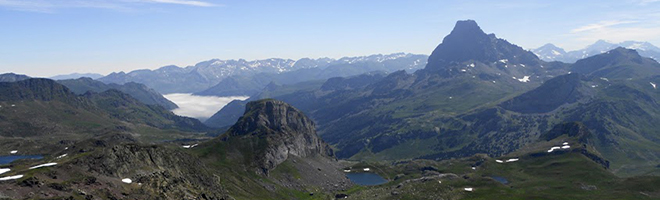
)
(49, 37)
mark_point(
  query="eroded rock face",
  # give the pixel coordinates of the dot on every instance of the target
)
(278, 131)
(167, 172)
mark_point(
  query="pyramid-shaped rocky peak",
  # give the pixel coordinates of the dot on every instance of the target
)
(468, 42)
(468, 28)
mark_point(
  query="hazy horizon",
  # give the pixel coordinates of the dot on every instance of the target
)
(47, 38)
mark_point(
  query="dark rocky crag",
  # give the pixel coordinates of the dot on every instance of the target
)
(279, 131)
(278, 142)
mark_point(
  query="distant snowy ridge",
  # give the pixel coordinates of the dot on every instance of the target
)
(203, 75)
(550, 52)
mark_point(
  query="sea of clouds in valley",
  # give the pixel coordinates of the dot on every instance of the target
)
(200, 107)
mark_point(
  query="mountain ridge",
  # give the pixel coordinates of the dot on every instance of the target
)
(206, 74)
(136, 90)
(546, 53)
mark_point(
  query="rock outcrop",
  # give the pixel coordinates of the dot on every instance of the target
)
(165, 172)
(276, 130)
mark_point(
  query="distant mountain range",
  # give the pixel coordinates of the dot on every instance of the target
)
(207, 78)
(550, 52)
(138, 91)
(468, 70)
(481, 94)
(484, 119)
(83, 85)
(36, 109)
(76, 76)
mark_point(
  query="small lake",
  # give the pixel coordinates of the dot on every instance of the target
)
(9, 159)
(500, 179)
(366, 178)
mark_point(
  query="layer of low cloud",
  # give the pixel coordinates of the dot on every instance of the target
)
(200, 107)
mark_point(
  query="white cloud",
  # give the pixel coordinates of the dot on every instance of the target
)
(644, 2)
(183, 2)
(200, 107)
(53, 5)
(640, 27)
(600, 25)
(617, 31)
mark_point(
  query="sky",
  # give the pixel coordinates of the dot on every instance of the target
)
(43, 38)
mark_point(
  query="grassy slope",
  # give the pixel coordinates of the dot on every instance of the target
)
(241, 182)
(555, 176)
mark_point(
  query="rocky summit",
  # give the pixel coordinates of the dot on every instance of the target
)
(281, 131)
(468, 42)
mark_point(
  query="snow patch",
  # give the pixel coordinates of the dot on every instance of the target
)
(13, 151)
(566, 147)
(189, 146)
(553, 149)
(11, 177)
(556, 53)
(347, 170)
(512, 160)
(499, 161)
(653, 84)
(366, 169)
(504, 60)
(525, 79)
(468, 189)
(471, 65)
(43, 165)
(127, 180)
(635, 46)
(62, 156)
(4, 170)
